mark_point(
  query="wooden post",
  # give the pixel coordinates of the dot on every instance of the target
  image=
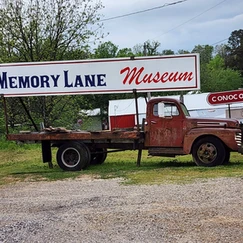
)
(5, 114)
(229, 110)
(138, 128)
(136, 106)
(46, 152)
(139, 157)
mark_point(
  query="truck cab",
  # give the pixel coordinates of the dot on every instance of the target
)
(169, 131)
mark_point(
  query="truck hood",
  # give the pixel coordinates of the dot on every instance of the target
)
(211, 122)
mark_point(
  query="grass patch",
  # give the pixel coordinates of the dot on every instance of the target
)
(24, 163)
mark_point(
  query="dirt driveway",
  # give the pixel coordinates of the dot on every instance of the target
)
(92, 210)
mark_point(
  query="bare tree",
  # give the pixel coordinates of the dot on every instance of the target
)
(148, 48)
(37, 30)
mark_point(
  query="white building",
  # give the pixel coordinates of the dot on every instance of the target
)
(122, 113)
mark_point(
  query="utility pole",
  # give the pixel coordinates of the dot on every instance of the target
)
(145, 47)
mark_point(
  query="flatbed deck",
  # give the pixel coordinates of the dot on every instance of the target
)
(74, 135)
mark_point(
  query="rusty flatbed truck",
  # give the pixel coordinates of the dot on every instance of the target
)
(168, 130)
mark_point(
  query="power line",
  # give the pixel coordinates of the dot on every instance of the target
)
(166, 5)
(219, 42)
(192, 18)
(142, 11)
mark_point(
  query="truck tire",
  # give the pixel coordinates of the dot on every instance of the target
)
(209, 151)
(99, 158)
(73, 156)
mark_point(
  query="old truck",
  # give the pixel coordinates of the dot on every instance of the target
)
(167, 130)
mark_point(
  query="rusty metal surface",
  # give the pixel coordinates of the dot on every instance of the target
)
(226, 135)
(165, 151)
(74, 135)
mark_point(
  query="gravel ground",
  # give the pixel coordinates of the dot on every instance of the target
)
(93, 210)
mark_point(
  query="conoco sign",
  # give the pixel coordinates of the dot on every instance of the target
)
(227, 97)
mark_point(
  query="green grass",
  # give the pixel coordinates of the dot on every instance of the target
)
(23, 163)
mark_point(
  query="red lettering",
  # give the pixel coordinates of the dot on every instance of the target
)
(147, 78)
(156, 78)
(137, 76)
(132, 74)
(163, 77)
(186, 76)
(173, 77)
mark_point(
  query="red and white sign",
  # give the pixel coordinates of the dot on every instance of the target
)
(227, 97)
(114, 75)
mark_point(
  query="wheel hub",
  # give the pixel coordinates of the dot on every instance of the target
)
(70, 157)
(207, 153)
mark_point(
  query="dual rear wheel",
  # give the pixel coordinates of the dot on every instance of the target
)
(74, 156)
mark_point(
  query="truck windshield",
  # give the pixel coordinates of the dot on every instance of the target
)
(184, 109)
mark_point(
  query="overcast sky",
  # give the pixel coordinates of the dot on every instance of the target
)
(179, 26)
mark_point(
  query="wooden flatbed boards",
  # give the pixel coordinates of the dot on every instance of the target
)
(63, 134)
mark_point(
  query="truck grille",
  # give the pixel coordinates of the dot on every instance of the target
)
(238, 139)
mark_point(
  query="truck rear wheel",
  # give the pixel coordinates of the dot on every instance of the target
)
(209, 151)
(98, 158)
(73, 156)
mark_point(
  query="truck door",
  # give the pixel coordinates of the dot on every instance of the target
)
(166, 131)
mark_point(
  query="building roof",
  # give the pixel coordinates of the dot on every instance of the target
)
(94, 112)
(193, 102)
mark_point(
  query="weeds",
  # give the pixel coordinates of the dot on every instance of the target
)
(22, 162)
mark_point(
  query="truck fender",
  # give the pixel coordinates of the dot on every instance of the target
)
(190, 139)
(226, 136)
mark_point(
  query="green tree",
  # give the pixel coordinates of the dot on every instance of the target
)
(167, 52)
(125, 52)
(54, 111)
(219, 77)
(181, 51)
(206, 53)
(33, 30)
(106, 50)
(234, 48)
(221, 50)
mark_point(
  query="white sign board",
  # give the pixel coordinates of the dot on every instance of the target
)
(115, 75)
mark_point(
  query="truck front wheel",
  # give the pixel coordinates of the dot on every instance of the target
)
(209, 151)
(73, 156)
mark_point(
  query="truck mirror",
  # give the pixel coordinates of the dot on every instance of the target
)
(161, 109)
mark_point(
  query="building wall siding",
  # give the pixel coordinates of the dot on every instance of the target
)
(123, 121)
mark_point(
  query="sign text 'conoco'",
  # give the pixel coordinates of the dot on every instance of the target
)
(226, 97)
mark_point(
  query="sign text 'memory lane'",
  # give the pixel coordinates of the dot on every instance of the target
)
(49, 81)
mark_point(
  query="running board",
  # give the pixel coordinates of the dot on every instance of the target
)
(170, 152)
